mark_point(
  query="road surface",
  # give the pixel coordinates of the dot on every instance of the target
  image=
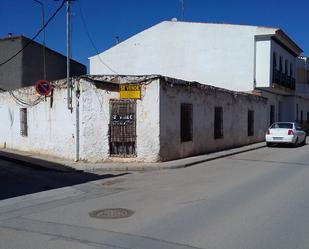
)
(254, 200)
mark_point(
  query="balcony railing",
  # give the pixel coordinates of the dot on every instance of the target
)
(283, 79)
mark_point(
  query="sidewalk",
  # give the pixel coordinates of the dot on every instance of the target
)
(51, 163)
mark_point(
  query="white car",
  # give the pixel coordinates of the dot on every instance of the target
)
(285, 132)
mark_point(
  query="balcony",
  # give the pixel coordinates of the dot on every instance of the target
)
(283, 79)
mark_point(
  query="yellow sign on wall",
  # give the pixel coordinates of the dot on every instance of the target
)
(130, 91)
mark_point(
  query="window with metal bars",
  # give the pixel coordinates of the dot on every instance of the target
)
(122, 132)
(250, 123)
(218, 128)
(23, 122)
(186, 122)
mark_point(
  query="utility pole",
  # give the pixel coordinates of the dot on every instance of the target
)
(69, 83)
(44, 45)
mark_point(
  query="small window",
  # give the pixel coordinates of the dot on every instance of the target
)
(186, 119)
(250, 123)
(23, 122)
(218, 131)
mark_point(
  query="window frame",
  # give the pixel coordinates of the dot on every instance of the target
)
(23, 122)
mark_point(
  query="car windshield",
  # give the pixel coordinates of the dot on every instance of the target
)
(282, 125)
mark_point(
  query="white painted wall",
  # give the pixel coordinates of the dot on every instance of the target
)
(263, 63)
(214, 54)
(95, 117)
(94, 120)
(235, 111)
(50, 130)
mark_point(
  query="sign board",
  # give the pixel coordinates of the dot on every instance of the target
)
(130, 91)
(43, 87)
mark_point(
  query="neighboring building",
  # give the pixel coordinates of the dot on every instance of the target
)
(261, 60)
(302, 71)
(28, 67)
(172, 119)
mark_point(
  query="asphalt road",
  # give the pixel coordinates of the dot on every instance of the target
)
(254, 200)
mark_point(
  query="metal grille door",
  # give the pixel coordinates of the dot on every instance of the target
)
(122, 135)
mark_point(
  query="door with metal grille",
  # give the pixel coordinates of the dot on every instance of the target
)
(122, 132)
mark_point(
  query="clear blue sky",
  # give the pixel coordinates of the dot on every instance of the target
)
(107, 19)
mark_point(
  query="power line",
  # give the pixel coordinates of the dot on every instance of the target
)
(91, 41)
(36, 35)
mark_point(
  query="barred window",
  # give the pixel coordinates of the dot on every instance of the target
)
(23, 122)
(186, 120)
(250, 123)
(218, 128)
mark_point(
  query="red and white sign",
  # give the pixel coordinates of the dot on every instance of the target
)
(43, 87)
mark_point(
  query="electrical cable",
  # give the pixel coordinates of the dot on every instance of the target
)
(36, 35)
(91, 41)
(22, 102)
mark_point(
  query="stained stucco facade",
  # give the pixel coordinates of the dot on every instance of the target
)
(52, 127)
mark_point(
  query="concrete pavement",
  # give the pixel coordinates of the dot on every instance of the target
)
(57, 164)
(256, 200)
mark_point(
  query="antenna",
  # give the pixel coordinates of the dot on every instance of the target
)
(182, 2)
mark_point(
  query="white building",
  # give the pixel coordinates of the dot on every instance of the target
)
(171, 119)
(236, 57)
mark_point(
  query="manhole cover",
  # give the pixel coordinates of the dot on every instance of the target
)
(111, 213)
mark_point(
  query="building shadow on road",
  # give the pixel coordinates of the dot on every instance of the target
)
(21, 177)
(283, 145)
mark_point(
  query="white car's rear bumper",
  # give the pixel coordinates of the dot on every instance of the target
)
(280, 139)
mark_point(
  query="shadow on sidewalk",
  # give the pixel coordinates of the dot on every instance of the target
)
(19, 176)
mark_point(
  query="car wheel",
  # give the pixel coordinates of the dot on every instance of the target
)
(268, 144)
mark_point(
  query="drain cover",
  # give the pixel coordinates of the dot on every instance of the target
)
(111, 213)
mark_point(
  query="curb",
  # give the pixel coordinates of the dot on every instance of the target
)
(150, 167)
(46, 165)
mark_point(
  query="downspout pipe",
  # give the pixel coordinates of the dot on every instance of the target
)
(77, 130)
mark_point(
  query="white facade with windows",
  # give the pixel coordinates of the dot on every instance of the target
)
(237, 57)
